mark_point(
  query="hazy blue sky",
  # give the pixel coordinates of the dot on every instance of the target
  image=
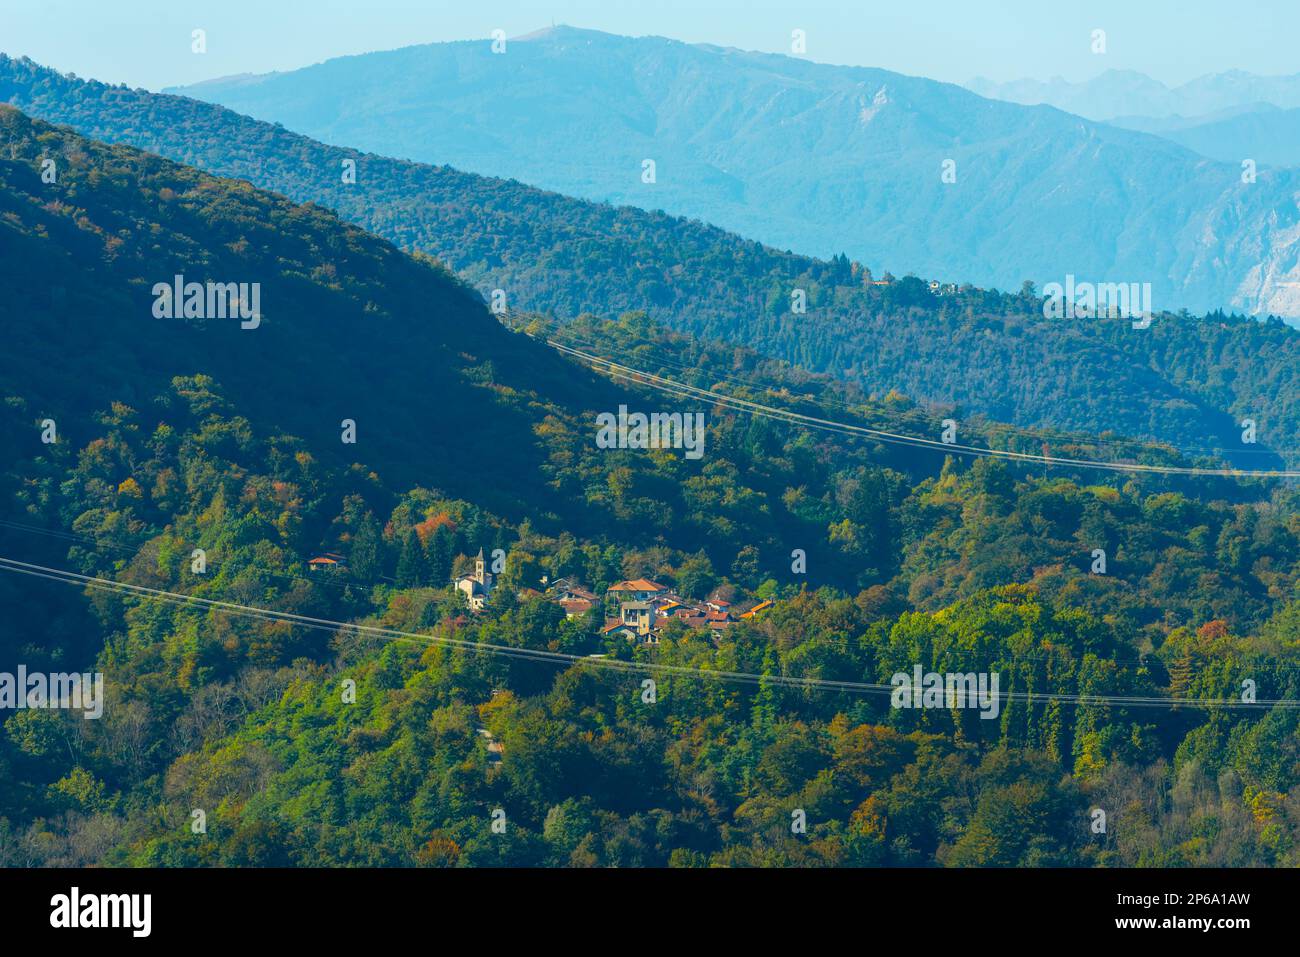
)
(147, 42)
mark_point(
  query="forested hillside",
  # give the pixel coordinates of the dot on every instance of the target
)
(1186, 381)
(185, 433)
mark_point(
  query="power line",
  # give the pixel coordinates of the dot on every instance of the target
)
(99, 546)
(563, 658)
(1000, 428)
(682, 390)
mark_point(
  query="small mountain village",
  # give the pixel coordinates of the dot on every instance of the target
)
(644, 607)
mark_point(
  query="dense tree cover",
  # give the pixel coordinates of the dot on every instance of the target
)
(177, 435)
(1186, 381)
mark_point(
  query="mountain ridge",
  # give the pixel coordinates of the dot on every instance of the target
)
(816, 158)
(1113, 93)
(987, 352)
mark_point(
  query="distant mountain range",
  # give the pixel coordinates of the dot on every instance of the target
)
(1184, 381)
(1228, 117)
(1260, 131)
(816, 158)
(1118, 93)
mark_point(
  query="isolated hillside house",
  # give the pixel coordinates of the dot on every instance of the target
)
(328, 561)
(478, 586)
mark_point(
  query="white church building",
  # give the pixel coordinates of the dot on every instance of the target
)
(478, 586)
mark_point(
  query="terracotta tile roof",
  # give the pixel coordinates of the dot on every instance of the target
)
(638, 584)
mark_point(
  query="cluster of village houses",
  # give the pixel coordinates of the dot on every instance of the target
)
(644, 606)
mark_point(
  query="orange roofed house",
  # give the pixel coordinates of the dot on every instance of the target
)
(638, 589)
(328, 560)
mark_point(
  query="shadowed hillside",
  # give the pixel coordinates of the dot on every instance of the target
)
(1189, 382)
